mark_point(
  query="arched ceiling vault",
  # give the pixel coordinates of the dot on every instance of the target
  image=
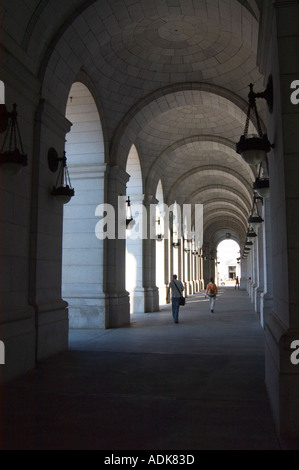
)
(218, 228)
(210, 192)
(189, 181)
(170, 78)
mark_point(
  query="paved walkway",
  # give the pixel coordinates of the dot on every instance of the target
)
(156, 385)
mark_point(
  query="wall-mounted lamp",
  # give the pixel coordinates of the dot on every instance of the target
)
(251, 233)
(254, 149)
(62, 190)
(13, 159)
(159, 233)
(175, 239)
(255, 219)
(262, 185)
(130, 222)
(187, 246)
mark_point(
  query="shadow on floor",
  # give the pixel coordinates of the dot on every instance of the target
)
(154, 385)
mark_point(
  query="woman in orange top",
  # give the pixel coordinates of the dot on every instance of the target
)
(211, 292)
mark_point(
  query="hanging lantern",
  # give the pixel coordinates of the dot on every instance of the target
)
(13, 159)
(176, 241)
(262, 187)
(254, 148)
(130, 222)
(251, 233)
(62, 190)
(187, 245)
(255, 219)
(159, 234)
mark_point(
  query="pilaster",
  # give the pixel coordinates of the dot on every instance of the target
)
(151, 292)
(51, 313)
(117, 311)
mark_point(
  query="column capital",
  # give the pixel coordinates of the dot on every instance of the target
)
(149, 199)
(117, 173)
(52, 118)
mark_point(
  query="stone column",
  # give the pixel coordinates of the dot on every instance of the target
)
(82, 276)
(151, 292)
(259, 289)
(187, 267)
(255, 273)
(244, 284)
(17, 316)
(117, 312)
(45, 279)
(250, 271)
(201, 271)
(206, 264)
(134, 254)
(278, 53)
(167, 251)
(266, 300)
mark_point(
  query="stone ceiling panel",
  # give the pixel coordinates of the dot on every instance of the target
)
(170, 77)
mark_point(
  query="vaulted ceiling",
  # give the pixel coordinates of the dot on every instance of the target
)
(169, 76)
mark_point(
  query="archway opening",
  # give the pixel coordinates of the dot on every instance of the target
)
(82, 263)
(228, 267)
(134, 245)
(161, 282)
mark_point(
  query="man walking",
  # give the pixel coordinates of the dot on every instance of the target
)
(211, 292)
(177, 288)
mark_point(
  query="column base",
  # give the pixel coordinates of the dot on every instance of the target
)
(117, 312)
(282, 378)
(151, 299)
(162, 295)
(86, 312)
(137, 301)
(257, 298)
(17, 333)
(52, 329)
(266, 307)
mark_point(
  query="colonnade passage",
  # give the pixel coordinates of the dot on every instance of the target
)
(108, 106)
(155, 385)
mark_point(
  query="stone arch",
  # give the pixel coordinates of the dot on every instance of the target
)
(204, 142)
(224, 190)
(227, 257)
(83, 264)
(55, 33)
(170, 97)
(223, 223)
(210, 171)
(224, 214)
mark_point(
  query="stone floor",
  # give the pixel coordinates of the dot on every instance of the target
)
(155, 385)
